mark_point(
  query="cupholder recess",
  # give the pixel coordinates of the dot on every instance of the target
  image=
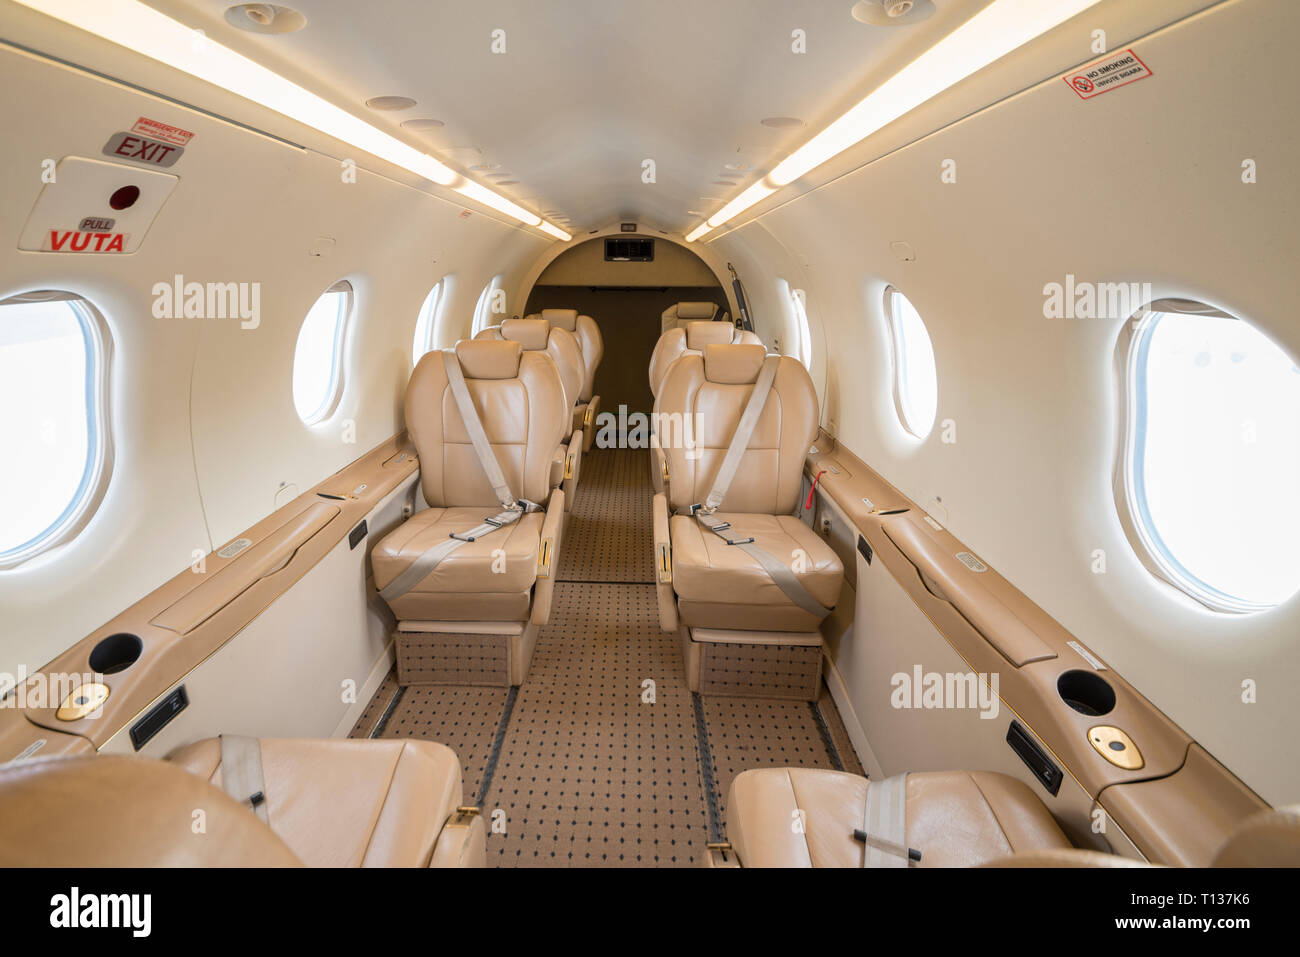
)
(115, 653)
(1086, 693)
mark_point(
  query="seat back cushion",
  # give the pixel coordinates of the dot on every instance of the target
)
(535, 334)
(590, 342)
(680, 312)
(699, 409)
(520, 401)
(667, 350)
(111, 811)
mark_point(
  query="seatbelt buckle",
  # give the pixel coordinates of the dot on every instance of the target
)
(460, 538)
(493, 522)
(701, 507)
(740, 541)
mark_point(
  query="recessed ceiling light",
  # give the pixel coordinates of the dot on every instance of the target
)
(694, 212)
(265, 18)
(738, 166)
(892, 13)
(386, 104)
(782, 122)
(422, 126)
(483, 167)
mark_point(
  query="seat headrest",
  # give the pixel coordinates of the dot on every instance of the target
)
(562, 318)
(696, 310)
(733, 365)
(489, 358)
(701, 334)
(532, 334)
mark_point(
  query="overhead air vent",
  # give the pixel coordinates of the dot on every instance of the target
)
(629, 250)
(892, 13)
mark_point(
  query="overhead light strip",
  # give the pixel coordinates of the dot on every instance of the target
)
(998, 29)
(144, 30)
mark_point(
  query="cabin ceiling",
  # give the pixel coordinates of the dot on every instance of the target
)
(577, 102)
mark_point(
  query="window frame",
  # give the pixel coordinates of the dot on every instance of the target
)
(1130, 491)
(426, 320)
(802, 325)
(482, 308)
(347, 309)
(897, 366)
(98, 469)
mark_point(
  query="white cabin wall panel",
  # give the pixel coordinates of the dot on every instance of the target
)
(247, 209)
(1141, 185)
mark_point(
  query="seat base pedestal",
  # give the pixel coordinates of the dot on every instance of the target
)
(753, 664)
(488, 654)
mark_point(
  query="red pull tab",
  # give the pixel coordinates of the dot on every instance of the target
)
(812, 490)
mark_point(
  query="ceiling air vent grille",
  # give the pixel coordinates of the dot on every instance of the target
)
(629, 250)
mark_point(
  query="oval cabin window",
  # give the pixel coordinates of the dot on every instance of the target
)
(916, 385)
(1213, 457)
(318, 357)
(53, 423)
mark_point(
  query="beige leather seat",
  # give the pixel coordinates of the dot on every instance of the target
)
(592, 344)
(520, 401)
(716, 585)
(330, 803)
(692, 337)
(682, 312)
(538, 335)
(954, 818)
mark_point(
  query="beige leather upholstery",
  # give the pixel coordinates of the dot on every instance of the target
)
(693, 337)
(681, 312)
(954, 818)
(330, 803)
(717, 585)
(1267, 839)
(345, 803)
(538, 335)
(520, 399)
(125, 812)
(592, 344)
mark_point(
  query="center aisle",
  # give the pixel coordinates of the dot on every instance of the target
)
(596, 759)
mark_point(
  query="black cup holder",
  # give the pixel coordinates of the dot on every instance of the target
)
(115, 653)
(1086, 693)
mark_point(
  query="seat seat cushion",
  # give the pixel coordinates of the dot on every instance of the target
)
(486, 580)
(722, 586)
(342, 803)
(954, 818)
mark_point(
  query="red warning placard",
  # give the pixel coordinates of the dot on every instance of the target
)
(162, 131)
(1118, 69)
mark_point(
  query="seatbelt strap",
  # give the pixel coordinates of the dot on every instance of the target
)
(744, 431)
(241, 772)
(474, 426)
(884, 825)
(780, 573)
(419, 569)
(511, 512)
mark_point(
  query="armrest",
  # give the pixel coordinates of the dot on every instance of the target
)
(572, 466)
(462, 841)
(548, 557)
(663, 546)
(589, 423)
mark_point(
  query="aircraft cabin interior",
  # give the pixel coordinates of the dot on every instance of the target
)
(730, 434)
